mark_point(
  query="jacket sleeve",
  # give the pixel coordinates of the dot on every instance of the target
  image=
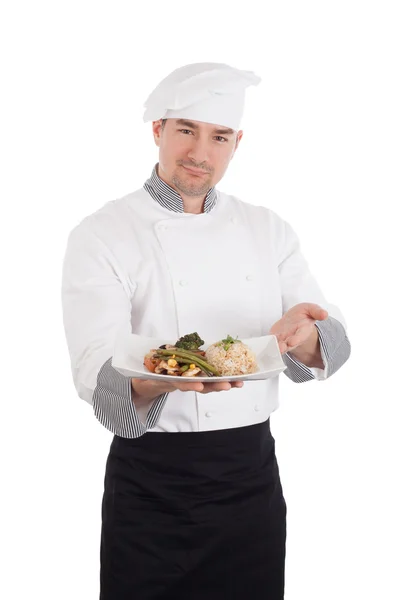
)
(96, 303)
(299, 285)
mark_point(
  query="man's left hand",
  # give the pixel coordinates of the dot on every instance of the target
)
(297, 326)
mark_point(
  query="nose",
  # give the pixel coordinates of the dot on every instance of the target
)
(198, 152)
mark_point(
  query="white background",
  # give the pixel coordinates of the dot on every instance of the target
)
(321, 148)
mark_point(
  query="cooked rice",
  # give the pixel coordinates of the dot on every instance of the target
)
(238, 360)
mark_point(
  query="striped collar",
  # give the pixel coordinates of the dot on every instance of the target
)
(169, 198)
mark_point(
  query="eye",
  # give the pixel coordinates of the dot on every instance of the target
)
(185, 131)
(220, 138)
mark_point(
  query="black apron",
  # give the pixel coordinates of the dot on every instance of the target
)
(193, 516)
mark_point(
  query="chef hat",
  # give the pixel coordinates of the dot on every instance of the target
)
(209, 92)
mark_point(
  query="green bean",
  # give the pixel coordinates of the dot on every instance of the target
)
(187, 362)
(205, 366)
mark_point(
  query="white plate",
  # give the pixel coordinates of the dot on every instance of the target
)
(130, 350)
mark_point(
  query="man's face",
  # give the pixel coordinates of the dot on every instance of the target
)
(193, 155)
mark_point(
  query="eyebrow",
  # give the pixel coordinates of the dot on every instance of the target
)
(185, 123)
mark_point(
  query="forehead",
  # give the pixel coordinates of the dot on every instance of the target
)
(201, 125)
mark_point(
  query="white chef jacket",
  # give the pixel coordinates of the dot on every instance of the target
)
(135, 265)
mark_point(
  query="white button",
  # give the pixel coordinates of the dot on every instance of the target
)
(233, 220)
(256, 408)
(162, 227)
(208, 414)
(249, 277)
(183, 282)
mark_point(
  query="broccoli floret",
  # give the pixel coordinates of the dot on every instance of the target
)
(191, 341)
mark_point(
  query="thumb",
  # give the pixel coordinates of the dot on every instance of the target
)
(317, 313)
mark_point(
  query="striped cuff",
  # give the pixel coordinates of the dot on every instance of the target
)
(155, 411)
(335, 347)
(335, 351)
(295, 370)
(114, 408)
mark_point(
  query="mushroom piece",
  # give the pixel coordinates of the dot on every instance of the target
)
(191, 372)
(162, 366)
(173, 371)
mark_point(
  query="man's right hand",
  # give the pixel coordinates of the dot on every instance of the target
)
(145, 390)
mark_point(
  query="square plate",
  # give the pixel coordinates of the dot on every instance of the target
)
(130, 350)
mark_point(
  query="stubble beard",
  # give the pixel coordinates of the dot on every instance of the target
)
(193, 188)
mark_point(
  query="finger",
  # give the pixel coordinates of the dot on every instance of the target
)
(294, 341)
(281, 343)
(217, 387)
(282, 347)
(208, 387)
(195, 386)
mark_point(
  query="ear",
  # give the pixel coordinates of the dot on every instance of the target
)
(157, 131)
(238, 138)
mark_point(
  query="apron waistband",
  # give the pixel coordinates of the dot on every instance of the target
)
(222, 455)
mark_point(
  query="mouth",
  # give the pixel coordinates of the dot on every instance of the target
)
(197, 172)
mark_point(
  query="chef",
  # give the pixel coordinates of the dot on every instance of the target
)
(193, 506)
